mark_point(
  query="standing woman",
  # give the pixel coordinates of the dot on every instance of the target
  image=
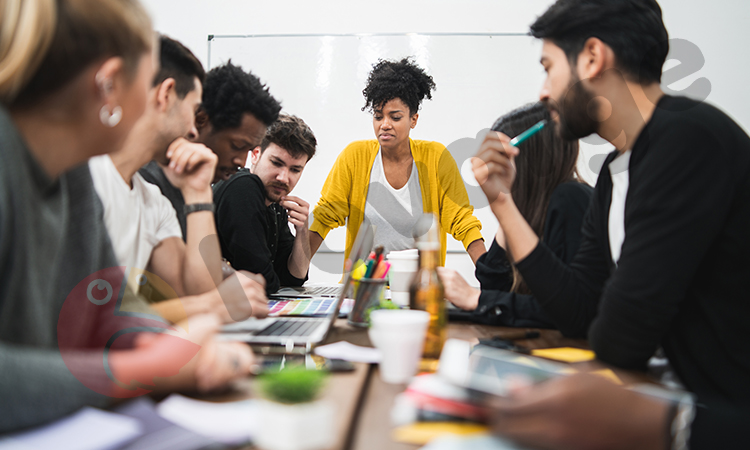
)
(392, 180)
(74, 76)
(553, 201)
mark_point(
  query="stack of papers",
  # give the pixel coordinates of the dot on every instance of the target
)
(178, 423)
(88, 429)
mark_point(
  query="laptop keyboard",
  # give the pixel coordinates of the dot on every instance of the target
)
(300, 328)
(323, 290)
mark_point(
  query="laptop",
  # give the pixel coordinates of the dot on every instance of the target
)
(328, 291)
(299, 334)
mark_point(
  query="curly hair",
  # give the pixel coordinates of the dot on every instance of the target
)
(397, 79)
(229, 92)
(293, 135)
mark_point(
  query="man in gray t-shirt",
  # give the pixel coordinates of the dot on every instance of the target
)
(52, 237)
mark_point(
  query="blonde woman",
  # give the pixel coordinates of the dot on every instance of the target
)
(73, 80)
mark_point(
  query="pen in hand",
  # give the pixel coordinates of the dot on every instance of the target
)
(518, 140)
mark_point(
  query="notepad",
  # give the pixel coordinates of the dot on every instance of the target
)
(307, 307)
(420, 433)
(565, 354)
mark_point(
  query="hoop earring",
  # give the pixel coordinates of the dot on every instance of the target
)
(110, 119)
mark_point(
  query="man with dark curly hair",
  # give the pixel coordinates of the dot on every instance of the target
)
(232, 120)
(254, 206)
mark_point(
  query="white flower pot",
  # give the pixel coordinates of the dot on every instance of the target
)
(303, 426)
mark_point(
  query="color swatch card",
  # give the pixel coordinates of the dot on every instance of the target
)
(307, 307)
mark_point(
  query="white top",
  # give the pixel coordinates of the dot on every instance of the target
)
(393, 211)
(137, 219)
(618, 170)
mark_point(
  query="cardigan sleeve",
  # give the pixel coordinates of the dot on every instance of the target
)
(334, 205)
(456, 213)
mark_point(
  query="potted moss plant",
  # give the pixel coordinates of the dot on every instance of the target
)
(291, 415)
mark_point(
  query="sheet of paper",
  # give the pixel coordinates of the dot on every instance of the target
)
(158, 432)
(474, 442)
(349, 352)
(565, 354)
(228, 422)
(88, 429)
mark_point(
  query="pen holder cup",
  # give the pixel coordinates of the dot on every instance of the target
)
(368, 292)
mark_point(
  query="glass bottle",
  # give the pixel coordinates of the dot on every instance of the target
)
(426, 292)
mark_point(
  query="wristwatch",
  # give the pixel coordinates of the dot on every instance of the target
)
(187, 209)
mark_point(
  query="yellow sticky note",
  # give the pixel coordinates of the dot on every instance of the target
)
(565, 354)
(420, 433)
(608, 374)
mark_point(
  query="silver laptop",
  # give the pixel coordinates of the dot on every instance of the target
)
(299, 334)
(328, 291)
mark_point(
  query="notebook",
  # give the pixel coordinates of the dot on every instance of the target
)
(289, 334)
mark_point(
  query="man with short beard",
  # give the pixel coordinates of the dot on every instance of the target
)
(254, 208)
(663, 256)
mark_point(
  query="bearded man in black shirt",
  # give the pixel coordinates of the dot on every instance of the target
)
(663, 257)
(254, 208)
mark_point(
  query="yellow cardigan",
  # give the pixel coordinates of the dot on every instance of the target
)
(344, 193)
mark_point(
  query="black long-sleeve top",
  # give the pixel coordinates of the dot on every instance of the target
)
(253, 236)
(562, 234)
(682, 277)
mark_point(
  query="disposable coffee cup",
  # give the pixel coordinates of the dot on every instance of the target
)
(404, 265)
(399, 335)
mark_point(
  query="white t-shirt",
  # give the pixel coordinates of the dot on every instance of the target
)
(137, 219)
(394, 212)
(618, 170)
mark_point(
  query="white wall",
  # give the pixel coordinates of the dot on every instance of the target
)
(720, 34)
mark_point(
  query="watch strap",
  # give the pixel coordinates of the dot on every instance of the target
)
(187, 209)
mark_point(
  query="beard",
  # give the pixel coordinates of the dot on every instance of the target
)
(271, 193)
(576, 112)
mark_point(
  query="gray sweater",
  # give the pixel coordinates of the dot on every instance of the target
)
(52, 236)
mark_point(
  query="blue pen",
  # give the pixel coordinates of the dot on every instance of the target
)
(518, 140)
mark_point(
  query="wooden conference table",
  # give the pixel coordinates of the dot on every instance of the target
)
(363, 401)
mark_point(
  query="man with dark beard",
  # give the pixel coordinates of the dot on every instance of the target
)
(253, 208)
(663, 257)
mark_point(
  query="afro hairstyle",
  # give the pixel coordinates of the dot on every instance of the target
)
(229, 92)
(397, 79)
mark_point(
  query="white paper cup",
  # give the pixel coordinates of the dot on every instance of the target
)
(399, 335)
(404, 265)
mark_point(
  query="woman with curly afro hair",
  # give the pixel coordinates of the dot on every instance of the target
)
(392, 180)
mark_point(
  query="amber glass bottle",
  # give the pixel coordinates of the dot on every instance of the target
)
(426, 292)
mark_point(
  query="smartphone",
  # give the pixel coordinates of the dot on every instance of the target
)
(494, 371)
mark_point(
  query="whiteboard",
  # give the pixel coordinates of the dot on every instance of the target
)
(320, 78)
